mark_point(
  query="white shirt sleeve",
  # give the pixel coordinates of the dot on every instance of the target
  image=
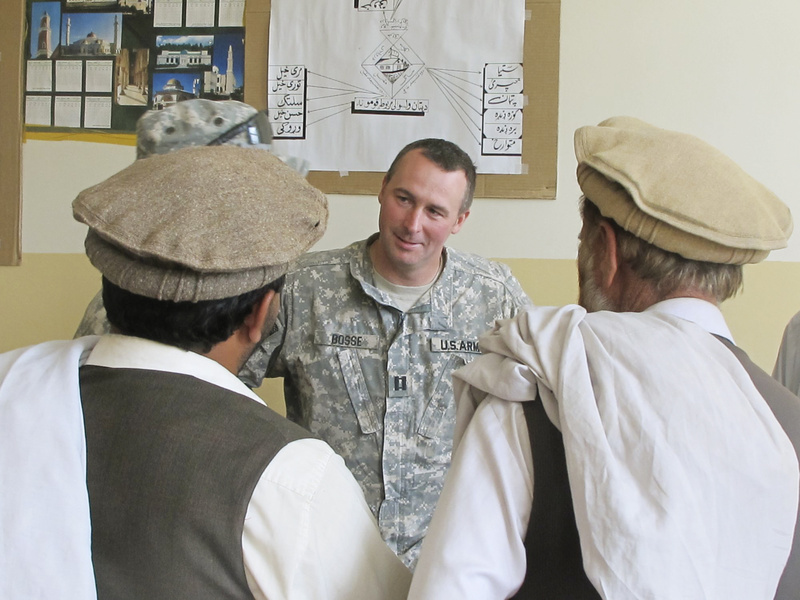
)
(475, 545)
(309, 533)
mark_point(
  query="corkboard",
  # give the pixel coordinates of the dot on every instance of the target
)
(11, 36)
(540, 115)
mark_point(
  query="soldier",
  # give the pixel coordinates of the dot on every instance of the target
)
(369, 335)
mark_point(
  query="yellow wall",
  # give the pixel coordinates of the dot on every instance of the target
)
(45, 297)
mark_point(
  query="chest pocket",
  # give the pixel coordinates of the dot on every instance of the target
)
(356, 386)
(438, 420)
(346, 346)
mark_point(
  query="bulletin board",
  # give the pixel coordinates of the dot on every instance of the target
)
(538, 140)
(98, 65)
(11, 35)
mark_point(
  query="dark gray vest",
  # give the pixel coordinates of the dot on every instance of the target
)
(786, 408)
(172, 462)
(552, 546)
(555, 565)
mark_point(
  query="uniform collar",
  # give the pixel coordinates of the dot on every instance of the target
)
(435, 311)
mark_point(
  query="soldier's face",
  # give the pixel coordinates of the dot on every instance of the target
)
(420, 207)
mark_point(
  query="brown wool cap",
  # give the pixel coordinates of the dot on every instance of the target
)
(678, 193)
(200, 223)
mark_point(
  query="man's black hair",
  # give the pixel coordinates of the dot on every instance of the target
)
(194, 326)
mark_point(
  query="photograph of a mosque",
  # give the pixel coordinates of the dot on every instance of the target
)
(90, 34)
(184, 51)
(44, 39)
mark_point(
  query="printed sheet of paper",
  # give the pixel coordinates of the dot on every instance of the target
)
(231, 13)
(98, 112)
(350, 83)
(37, 110)
(39, 76)
(69, 76)
(68, 111)
(168, 13)
(99, 75)
(200, 13)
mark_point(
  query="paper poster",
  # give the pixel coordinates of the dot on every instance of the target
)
(350, 83)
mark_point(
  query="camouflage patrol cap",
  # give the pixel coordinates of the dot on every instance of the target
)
(200, 223)
(197, 122)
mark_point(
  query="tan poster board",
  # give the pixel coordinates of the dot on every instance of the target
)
(11, 35)
(540, 115)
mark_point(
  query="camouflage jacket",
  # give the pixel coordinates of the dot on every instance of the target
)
(374, 382)
(94, 320)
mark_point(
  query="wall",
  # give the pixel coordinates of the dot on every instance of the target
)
(725, 70)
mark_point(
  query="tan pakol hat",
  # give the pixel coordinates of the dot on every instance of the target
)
(200, 223)
(678, 193)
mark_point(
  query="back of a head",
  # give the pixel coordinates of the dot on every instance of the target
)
(192, 326)
(200, 224)
(688, 215)
(679, 193)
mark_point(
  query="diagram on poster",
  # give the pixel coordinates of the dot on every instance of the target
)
(351, 82)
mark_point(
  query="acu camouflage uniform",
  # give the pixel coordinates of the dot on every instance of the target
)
(94, 320)
(374, 382)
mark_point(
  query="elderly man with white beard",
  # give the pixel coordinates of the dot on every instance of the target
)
(626, 448)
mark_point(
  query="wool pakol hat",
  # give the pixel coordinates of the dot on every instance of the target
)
(678, 193)
(200, 223)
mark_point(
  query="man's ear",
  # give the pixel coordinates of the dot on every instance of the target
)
(606, 258)
(383, 187)
(254, 322)
(459, 222)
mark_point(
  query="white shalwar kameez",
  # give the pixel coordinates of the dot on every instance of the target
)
(684, 485)
(45, 529)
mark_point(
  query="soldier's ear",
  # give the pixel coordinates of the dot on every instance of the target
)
(459, 222)
(383, 187)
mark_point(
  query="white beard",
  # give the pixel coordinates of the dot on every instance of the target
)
(590, 296)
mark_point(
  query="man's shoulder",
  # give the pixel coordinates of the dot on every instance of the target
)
(468, 264)
(325, 259)
(794, 323)
(303, 464)
(47, 351)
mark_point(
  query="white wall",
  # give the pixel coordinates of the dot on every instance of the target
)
(727, 71)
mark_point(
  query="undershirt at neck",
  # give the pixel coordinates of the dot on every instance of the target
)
(403, 295)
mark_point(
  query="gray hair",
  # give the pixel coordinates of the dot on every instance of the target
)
(666, 271)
